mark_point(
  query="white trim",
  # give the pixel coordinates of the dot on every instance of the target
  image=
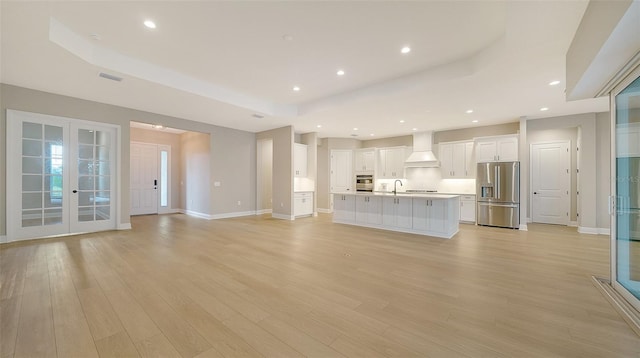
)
(264, 211)
(124, 226)
(573, 224)
(3, 239)
(325, 211)
(282, 216)
(604, 231)
(173, 211)
(523, 227)
(232, 215)
(588, 230)
(196, 214)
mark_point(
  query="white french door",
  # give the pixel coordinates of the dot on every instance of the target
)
(550, 182)
(150, 174)
(60, 176)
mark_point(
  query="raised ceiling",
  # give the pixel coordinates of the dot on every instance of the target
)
(223, 62)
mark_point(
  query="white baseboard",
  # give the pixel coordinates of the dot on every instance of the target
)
(196, 214)
(588, 230)
(523, 227)
(263, 211)
(3, 239)
(573, 224)
(282, 216)
(324, 211)
(170, 211)
(232, 215)
(604, 231)
(124, 226)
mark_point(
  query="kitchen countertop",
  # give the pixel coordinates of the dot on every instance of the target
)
(401, 194)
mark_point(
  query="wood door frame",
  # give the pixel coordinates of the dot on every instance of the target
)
(568, 180)
(11, 167)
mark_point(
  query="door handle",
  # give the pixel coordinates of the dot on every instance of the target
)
(535, 192)
(74, 191)
(155, 182)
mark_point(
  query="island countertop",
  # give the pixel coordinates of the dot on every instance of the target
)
(399, 194)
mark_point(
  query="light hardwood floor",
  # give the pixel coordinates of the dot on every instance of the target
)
(185, 287)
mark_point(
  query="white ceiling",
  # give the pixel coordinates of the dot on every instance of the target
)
(222, 62)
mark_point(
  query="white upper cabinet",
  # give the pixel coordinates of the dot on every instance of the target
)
(365, 160)
(300, 160)
(391, 164)
(456, 160)
(497, 149)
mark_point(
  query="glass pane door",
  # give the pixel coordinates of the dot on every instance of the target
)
(42, 178)
(92, 178)
(626, 270)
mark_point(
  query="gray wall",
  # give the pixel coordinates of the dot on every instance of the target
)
(478, 131)
(264, 163)
(282, 170)
(195, 172)
(406, 140)
(603, 163)
(232, 152)
(172, 140)
(311, 140)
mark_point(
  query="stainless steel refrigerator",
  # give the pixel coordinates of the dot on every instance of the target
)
(498, 192)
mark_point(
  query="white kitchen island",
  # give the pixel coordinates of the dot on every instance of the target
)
(425, 214)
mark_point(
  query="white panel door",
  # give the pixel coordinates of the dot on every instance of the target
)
(144, 179)
(341, 171)
(550, 182)
(61, 176)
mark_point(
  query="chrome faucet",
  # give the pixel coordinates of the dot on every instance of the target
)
(395, 189)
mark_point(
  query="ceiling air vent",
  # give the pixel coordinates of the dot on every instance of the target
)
(110, 77)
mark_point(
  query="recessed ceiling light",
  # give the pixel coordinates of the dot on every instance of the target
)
(469, 111)
(414, 129)
(402, 121)
(287, 37)
(296, 88)
(406, 49)
(150, 24)
(544, 109)
(372, 134)
(319, 126)
(355, 129)
(474, 121)
(340, 73)
(553, 83)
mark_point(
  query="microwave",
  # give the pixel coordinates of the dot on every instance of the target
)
(364, 183)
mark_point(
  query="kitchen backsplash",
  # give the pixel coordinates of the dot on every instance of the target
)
(431, 179)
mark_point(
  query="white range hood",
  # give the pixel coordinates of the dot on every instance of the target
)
(422, 156)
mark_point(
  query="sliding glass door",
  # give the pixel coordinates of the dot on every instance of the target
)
(625, 247)
(61, 176)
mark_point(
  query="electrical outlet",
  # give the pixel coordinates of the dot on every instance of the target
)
(239, 203)
(282, 205)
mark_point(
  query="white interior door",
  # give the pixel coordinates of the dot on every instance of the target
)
(60, 176)
(550, 182)
(144, 178)
(92, 163)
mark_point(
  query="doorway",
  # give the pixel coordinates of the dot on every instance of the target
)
(550, 182)
(62, 175)
(150, 178)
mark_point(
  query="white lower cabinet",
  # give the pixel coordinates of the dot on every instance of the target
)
(434, 216)
(303, 204)
(344, 208)
(396, 212)
(368, 210)
(468, 208)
